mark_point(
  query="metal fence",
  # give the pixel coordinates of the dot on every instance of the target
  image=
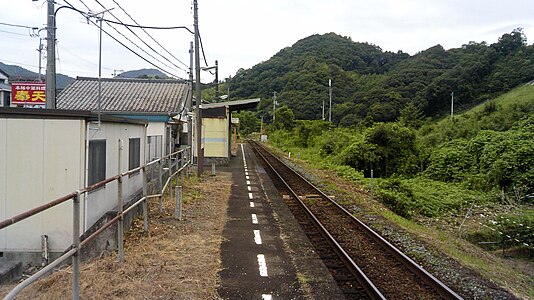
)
(168, 166)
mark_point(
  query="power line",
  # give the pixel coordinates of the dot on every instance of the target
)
(203, 53)
(20, 26)
(15, 33)
(17, 63)
(137, 54)
(150, 27)
(116, 40)
(141, 41)
(148, 34)
(202, 48)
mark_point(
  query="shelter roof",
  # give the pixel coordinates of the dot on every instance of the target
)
(234, 105)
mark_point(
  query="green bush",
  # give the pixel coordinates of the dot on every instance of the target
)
(425, 197)
(388, 148)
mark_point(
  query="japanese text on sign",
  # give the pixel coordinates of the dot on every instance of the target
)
(28, 93)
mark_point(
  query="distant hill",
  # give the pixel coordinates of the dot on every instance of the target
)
(143, 73)
(372, 85)
(17, 73)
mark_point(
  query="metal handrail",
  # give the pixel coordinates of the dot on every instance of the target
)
(77, 244)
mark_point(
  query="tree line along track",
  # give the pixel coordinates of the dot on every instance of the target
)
(363, 263)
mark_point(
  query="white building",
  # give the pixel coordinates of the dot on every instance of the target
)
(5, 90)
(159, 101)
(46, 154)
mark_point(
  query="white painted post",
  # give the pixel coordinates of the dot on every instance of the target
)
(178, 209)
(145, 202)
(160, 169)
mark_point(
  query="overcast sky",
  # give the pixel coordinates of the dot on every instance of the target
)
(243, 33)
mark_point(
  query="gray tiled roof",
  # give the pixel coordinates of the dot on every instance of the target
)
(125, 95)
(5, 87)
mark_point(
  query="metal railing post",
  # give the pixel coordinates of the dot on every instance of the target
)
(76, 245)
(190, 156)
(145, 202)
(170, 188)
(170, 165)
(120, 224)
(178, 208)
(160, 168)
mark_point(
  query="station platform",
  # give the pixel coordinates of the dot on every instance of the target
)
(265, 254)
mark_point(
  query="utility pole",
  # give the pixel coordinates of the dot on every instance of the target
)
(452, 106)
(40, 50)
(330, 95)
(200, 151)
(190, 100)
(100, 70)
(323, 110)
(216, 81)
(51, 57)
(274, 106)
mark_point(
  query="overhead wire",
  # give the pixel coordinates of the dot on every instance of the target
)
(17, 63)
(137, 54)
(15, 33)
(20, 26)
(131, 18)
(86, 15)
(146, 44)
(150, 27)
(204, 53)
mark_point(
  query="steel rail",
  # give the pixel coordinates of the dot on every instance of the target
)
(428, 278)
(365, 282)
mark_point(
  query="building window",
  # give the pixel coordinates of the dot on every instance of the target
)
(134, 154)
(97, 161)
(154, 147)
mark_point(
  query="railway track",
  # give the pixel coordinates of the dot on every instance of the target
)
(364, 264)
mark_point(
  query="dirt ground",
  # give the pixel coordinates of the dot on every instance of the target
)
(174, 260)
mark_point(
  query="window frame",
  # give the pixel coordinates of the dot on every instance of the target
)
(134, 153)
(98, 174)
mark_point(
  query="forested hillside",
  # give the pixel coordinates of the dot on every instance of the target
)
(374, 85)
(482, 160)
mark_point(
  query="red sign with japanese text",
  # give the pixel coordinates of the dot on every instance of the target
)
(31, 94)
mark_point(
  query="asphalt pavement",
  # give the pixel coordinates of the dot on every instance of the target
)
(265, 254)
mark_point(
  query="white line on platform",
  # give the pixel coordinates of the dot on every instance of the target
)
(243, 151)
(249, 188)
(247, 177)
(246, 173)
(248, 182)
(251, 204)
(262, 265)
(257, 237)
(250, 196)
(254, 219)
(266, 297)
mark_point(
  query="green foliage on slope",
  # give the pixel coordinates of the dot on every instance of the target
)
(372, 85)
(484, 155)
